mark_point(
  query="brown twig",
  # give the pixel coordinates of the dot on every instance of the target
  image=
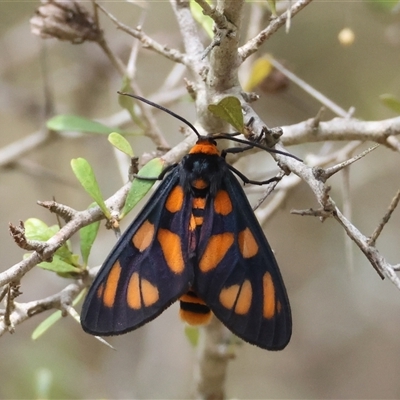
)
(254, 44)
(393, 204)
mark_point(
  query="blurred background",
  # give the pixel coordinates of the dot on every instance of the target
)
(346, 341)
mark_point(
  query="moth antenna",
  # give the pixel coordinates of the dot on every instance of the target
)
(255, 144)
(155, 105)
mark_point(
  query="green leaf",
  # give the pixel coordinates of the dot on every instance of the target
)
(88, 235)
(140, 187)
(64, 262)
(35, 229)
(204, 20)
(53, 318)
(230, 110)
(60, 265)
(260, 70)
(272, 7)
(119, 142)
(193, 334)
(84, 172)
(65, 122)
(391, 101)
(127, 103)
(46, 324)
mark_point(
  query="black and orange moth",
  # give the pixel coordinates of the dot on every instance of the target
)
(198, 241)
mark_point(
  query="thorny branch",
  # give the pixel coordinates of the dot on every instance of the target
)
(213, 78)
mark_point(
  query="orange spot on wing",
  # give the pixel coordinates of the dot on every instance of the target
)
(172, 250)
(222, 203)
(175, 199)
(143, 236)
(269, 296)
(247, 244)
(199, 203)
(133, 292)
(149, 293)
(204, 146)
(216, 249)
(140, 290)
(111, 284)
(237, 296)
(245, 296)
(228, 296)
(200, 184)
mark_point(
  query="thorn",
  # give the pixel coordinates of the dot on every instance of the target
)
(324, 174)
(385, 219)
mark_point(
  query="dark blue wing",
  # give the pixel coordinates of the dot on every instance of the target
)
(148, 268)
(237, 274)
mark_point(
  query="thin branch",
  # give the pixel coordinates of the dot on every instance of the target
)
(219, 18)
(394, 203)
(339, 129)
(24, 311)
(376, 260)
(171, 54)
(254, 44)
(81, 219)
(190, 36)
(17, 149)
(328, 172)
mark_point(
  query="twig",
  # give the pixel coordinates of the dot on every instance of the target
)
(328, 172)
(81, 218)
(24, 311)
(220, 19)
(361, 241)
(190, 36)
(393, 204)
(339, 129)
(13, 151)
(254, 44)
(269, 190)
(147, 42)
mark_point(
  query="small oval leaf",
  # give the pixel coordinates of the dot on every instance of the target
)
(260, 70)
(53, 318)
(35, 229)
(126, 102)
(88, 235)
(204, 20)
(230, 110)
(140, 187)
(46, 324)
(391, 101)
(65, 122)
(119, 142)
(60, 266)
(272, 7)
(84, 172)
